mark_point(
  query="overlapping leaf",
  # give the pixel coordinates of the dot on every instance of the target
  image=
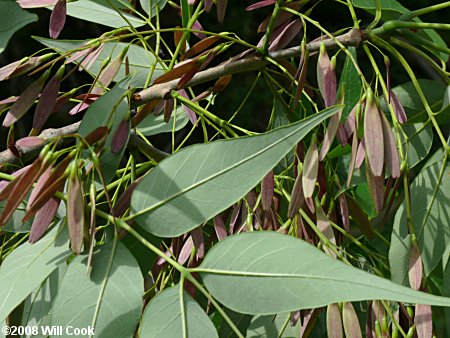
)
(197, 183)
(13, 19)
(252, 261)
(140, 60)
(29, 265)
(165, 318)
(109, 299)
(429, 211)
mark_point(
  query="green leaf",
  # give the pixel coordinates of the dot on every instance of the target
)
(39, 303)
(392, 10)
(272, 279)
(429, 212)
(164, 317)
(410, 100)
(140, 252)
(154, 125)
(13, 19)
(399, 254)
(240, 320)
(198, 182)
(29, 265)
(140, 60)
(110, 299)
(420, 140)
(350, 84)
(99, 114)
(15, 223)
(273, 326)
(104, 15)
(446, 284)
(151, 7)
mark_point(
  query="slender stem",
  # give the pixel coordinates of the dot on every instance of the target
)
(444, 75)
(215, 303)
(191, 22)
(122, 224)
(377, 18)
(159, 91)
(353, 14)
(416, 84)
(392, 25)
(418, 12)
(271, 26)
(202, 111)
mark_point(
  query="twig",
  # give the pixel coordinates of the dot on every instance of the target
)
(7, 157)
(161, 91)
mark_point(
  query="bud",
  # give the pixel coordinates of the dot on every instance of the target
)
(260, 4)
(376, 188)
(267, 188)
(19, 189)
(423, 320)
(57, 19)
(330, 133)
(326, 77)
(44, 107)
(297, 197)
(123, 203)
(96, 135)
(310, 171)
(343, 207)
(324, 226)
(168, 108)
(373, 135)
(390, 149)
(282, 37)
(199, 243)
(177, 34)
(200, 46)
(43, 219)
(415, 269)
(25, 100)
(350, 321)
(219, 227)
(75, 209)
(334, 322)
(110, 71)
(221, 9)
(398, 108)
(189, 112)
(121, 135)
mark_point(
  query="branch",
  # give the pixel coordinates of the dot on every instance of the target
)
(160, 91)
(7, 157)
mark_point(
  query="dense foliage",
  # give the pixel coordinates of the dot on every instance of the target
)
(143, 194)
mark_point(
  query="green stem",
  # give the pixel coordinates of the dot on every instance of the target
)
(271, 26)
(424, 43)
(122, 224)
(219, 309)
(426, 57)
(353, 14)
(392, 25)
(202, 111)
(416, 84)
(185, 273)
(377, 18)
(191, 22)
(425, 10)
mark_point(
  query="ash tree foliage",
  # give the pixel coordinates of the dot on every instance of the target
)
(331, 220)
